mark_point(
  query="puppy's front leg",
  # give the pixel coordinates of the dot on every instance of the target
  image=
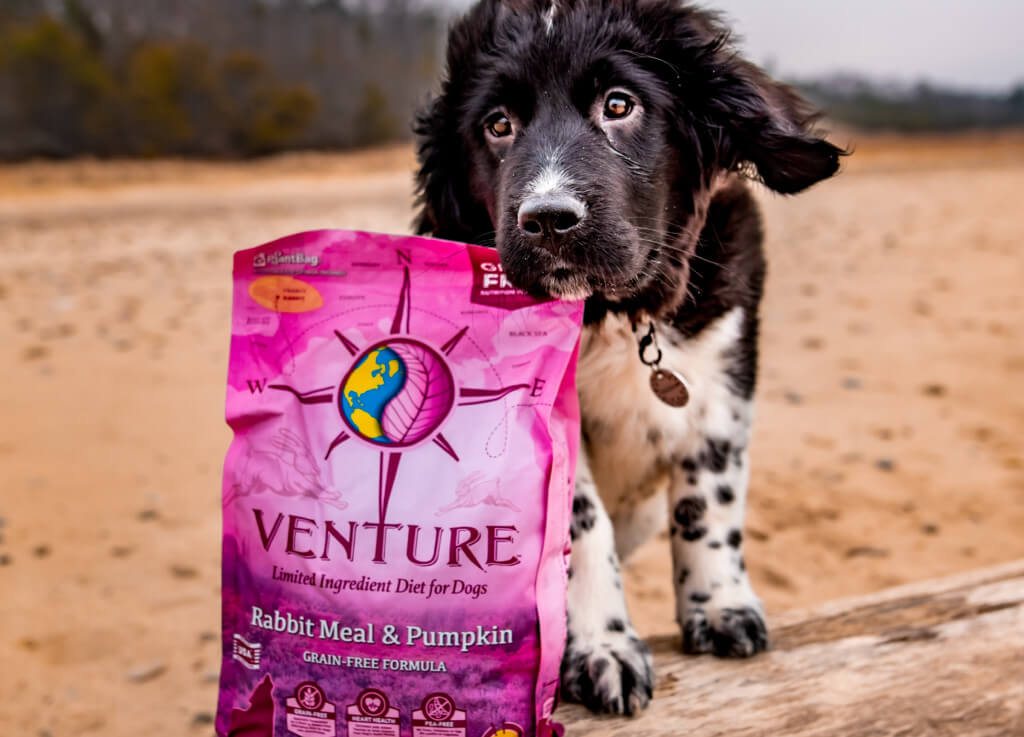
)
(606, 666)
(716, 607)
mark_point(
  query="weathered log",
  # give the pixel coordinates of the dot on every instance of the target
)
(941, 658)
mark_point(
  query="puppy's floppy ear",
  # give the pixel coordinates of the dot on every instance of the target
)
(447, 207)
(439, 183)
(768, 124)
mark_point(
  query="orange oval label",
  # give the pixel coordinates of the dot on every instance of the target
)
(285, 294)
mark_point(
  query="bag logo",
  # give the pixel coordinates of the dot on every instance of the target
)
(262, 260)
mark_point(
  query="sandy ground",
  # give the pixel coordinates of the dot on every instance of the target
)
(888, 445)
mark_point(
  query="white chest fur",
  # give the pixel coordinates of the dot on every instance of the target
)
(633, 436)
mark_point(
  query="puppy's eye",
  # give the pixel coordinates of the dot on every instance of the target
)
(498, 125)
(618, 105)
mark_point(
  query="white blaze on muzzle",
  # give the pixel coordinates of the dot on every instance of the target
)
(551, 180)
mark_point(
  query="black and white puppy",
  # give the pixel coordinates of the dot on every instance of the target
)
(603, 147)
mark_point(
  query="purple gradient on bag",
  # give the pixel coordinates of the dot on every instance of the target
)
(403, 458)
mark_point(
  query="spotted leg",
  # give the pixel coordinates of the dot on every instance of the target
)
(716, 607)
(606, 666)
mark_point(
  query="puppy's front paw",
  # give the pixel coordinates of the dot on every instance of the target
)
(611, 673)
(730, 632)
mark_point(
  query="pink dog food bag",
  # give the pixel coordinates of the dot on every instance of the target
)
(397, 493)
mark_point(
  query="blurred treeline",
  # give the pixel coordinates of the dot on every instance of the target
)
(210, 77)
(919, 108)
(248, 77)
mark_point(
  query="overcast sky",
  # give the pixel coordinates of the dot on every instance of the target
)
(966, 43)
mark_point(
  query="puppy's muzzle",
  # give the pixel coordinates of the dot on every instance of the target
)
(548, 220)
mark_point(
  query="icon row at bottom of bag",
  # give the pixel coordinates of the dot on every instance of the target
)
(310, 714)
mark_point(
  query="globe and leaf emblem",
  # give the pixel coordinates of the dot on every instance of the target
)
(397, 394)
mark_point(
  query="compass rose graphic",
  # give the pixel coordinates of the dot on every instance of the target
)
(396, 394)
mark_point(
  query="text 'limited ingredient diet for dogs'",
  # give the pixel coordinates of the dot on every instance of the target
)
(397, 493)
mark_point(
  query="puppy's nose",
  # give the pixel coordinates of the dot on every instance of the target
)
(548, 219)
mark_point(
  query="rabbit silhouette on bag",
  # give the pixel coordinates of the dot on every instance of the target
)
(291, 471)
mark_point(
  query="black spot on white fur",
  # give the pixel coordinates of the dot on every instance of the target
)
(689, 512)
(694, 533)
(716, 455)
(725, 494)
(735, 538)
(584, 515)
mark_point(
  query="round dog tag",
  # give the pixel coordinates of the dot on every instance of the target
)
(669, 387)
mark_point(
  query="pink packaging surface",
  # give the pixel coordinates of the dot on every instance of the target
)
(397, 493)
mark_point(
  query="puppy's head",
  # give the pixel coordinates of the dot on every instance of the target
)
(583, 139)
